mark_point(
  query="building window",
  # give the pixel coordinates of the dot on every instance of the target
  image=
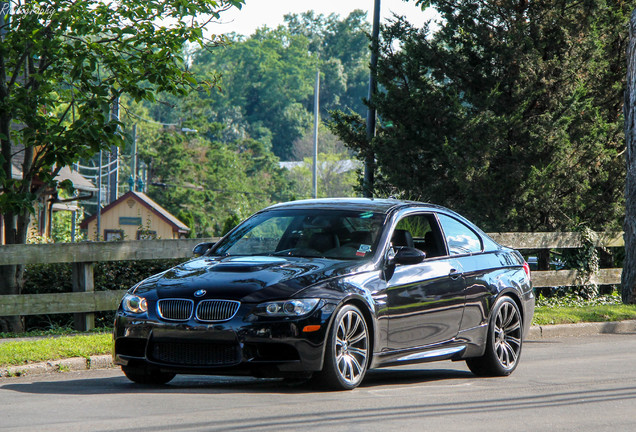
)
(146, 235)
(113, 235)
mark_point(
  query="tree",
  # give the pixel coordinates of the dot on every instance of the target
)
(336, 176)
(265, 82)
(266, 91)
(343, 48)
(211, 182)
(327, 143)
(510, 112)
(63, 63)
(628, 277)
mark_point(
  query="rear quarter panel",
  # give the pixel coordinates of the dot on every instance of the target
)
(487, 276)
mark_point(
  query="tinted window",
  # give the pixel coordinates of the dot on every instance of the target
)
(305, 232)
(460, 238)
(262, 238)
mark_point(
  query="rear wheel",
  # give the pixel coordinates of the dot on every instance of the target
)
(347, 351)
(145, 375)
(503, 346)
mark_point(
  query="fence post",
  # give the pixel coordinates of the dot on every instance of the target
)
(83, 281)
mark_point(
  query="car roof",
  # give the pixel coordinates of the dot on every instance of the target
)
(378, 205)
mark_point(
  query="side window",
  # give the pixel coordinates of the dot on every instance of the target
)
(460, 238)
(420, 231)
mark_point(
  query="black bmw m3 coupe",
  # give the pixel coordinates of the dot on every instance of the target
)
(328, 289)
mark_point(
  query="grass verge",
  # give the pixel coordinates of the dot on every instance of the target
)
(546, 315)
(19, 352)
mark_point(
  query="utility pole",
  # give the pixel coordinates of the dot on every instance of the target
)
(113, 159)
(316, 121)
(369, 161)
(133, 156)
(99, 197)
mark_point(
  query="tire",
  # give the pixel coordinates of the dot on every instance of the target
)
(504, 341)
(144, 375)
(347, 351)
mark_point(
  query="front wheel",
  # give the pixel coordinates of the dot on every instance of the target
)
(347, 351)
(504, 340)
(144, 375)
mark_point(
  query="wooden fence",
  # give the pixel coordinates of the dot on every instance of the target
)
(84, 300)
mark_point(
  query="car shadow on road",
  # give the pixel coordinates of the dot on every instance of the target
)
(222, 384)
(383, 377)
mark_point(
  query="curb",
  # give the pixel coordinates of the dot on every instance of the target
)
(64, 365)
(554, 331)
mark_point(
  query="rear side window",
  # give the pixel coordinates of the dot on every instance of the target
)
(460, 239)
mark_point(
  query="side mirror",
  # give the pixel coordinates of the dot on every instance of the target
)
(202, 248)
(408, 255)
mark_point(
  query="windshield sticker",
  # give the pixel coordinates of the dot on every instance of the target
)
(363, 250)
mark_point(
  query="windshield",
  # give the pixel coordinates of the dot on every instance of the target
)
(333, 234)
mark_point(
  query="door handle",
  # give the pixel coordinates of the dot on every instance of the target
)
(454, 274)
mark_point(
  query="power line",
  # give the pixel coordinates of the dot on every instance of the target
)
(152, 121)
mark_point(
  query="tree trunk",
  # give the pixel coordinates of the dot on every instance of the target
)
(628, 280)
(9, 275)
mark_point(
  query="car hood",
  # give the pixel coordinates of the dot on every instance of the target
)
(245, 278)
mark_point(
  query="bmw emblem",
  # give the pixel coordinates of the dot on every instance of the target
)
(200, 293)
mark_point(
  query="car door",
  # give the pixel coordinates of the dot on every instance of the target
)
(424, 301)
(465, 245)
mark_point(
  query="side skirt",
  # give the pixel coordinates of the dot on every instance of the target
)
(468, 343)
(446, 351)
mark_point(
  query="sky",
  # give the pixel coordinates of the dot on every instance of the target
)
(270, 13)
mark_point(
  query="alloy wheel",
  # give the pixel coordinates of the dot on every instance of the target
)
(507, 335)
(351, 347)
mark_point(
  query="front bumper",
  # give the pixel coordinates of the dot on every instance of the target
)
(245, 345)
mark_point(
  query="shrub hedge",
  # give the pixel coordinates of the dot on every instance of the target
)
(111, 275)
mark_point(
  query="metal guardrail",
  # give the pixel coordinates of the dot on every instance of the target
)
(84, 300)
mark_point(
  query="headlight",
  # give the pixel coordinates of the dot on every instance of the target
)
(287, 308)
(135, 304)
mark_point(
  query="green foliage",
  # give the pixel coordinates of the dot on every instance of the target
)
(571, 299)
(510, 113)
(267, 87)
(64, 68)
(327, 143)
(210, 181)
(108, 275)
(57, 278)
(256, 114)
(571, 307)
(571, 315)
(64, 63)
(58, 331)
(230, 223)
(343, 48)
(333, 180)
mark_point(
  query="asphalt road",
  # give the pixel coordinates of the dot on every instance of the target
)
(570, 384)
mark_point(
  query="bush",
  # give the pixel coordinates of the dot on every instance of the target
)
(567, 297)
